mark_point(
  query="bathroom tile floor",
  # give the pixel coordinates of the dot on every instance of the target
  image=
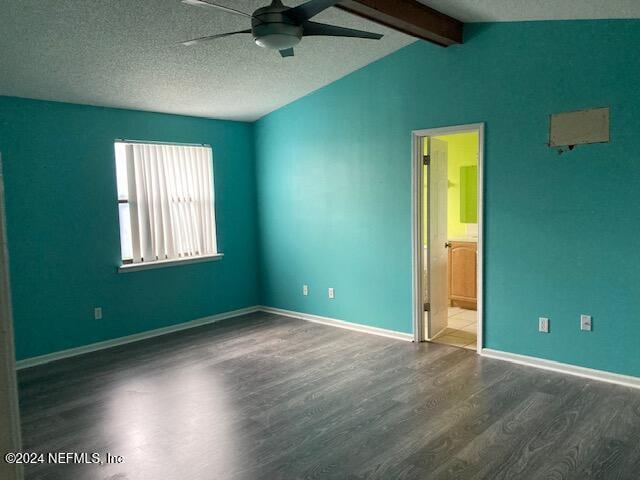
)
(461, 330)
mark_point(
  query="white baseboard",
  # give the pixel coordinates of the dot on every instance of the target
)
(600, 375)
(72, 352)
(339, 323)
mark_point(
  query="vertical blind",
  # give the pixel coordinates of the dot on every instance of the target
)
(171, 201)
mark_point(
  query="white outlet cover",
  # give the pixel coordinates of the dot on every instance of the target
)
(585, 323)
(543, 325)
(331, 293)
(97, 313)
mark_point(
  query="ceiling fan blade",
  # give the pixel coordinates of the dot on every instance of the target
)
(287, 52)
(313, 28)
(209, 4)
(310, 9)
(212, 37)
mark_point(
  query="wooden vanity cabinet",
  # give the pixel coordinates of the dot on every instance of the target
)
(462, 274)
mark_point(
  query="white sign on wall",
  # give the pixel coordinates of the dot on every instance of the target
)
(580, 127)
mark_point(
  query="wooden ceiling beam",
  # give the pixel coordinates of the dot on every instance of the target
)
(410, 17)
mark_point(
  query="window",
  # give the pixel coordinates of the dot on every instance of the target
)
(166, 203)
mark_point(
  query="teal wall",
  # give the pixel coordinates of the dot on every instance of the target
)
(62, 221)
(333, 177)
(318, 192)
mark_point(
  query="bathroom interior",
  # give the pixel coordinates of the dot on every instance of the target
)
(460, 329)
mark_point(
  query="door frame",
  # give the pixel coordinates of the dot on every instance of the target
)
(7, 349)
(417, 189)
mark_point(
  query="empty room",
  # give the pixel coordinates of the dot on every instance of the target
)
(356, 239)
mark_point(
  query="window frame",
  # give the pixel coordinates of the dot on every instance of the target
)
(128, 264)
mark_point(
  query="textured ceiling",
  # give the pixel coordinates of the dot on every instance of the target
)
(520, 10)
(126, 53)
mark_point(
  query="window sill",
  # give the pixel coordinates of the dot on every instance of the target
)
(134, 267)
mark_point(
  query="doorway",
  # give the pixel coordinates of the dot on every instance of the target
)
(447, 239)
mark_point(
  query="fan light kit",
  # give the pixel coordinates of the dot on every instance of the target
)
(279, 27)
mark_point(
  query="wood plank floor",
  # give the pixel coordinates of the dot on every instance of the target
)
(268, 397)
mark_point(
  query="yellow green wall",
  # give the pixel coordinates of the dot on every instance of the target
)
(462, 151)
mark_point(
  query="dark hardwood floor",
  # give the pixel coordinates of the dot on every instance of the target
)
(268, 397)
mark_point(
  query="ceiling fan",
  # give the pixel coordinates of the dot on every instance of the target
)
(279, 27)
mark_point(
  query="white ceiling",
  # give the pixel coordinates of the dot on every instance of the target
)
(124, 53)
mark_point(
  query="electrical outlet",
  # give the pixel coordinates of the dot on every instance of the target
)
(97, 313)
(585, 323)
(543, 325)
(331, 293)
(305, 290)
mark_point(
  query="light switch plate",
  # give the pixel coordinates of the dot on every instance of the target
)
(97, 313)
(585, 323)
(305, 290)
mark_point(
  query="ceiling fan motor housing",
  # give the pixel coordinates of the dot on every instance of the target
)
(272, 28)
